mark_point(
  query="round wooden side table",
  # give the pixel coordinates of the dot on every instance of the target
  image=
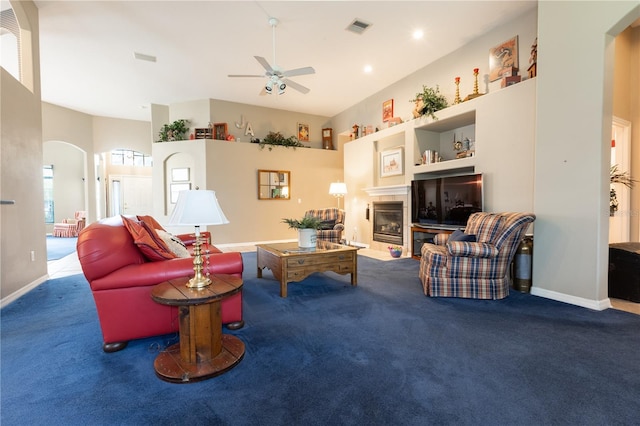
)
(203, 350)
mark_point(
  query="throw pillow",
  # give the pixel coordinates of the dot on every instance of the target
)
(458, 235)
(173, 243)
(151, 222)
(150, 244)
(327, 224)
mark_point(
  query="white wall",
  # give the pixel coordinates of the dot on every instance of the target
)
(573, 134)
(442, 73)
(22, 227)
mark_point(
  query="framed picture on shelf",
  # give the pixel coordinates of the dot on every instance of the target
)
(303, 132)
(387, 110)
(176, 188)
(503, 58)
(391, 162)
(180, 175)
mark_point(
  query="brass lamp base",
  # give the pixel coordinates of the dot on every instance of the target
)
(199, 280)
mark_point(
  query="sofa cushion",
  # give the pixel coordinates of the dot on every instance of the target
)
(147, 240)
(174, 243)
(459, 235)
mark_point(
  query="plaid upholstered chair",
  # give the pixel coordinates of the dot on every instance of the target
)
(333, 225)
(476, 263)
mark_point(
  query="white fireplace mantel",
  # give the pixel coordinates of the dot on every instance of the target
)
(379, 191)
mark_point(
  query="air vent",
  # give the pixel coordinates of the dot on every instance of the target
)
(358, 26)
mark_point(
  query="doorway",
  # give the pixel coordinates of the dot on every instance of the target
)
(130, 195)
(620, 221)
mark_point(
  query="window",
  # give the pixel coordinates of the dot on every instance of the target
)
(127, 157)
(10, 43)
(47, 174)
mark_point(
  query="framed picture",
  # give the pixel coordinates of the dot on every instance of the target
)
(391, 162)
(303, 132)
(176, 188)
(503, 58)
(180, 175)
(387, 110)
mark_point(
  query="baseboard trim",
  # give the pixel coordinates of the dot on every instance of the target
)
(596, 305)
(24, 290)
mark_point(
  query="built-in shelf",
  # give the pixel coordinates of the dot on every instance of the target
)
(379, 191)
(457, 165)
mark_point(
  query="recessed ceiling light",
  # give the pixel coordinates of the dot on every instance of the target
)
(418, 34)
(368, 69)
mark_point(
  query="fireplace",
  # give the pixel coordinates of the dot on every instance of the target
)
(387, 222)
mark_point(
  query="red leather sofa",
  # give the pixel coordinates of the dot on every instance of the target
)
(121, 278)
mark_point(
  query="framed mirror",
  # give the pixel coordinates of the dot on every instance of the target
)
(274, 185)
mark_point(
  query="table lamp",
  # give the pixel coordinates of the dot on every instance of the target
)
(338, 190)
(197, 208)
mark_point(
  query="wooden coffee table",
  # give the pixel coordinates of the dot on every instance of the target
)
(203, 351)
(290, 263)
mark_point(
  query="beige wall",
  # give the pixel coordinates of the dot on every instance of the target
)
(22, 227)
(573, 133)
(231, 169)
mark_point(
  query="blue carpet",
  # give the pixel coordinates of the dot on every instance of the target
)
(57, 247)
(378, 354)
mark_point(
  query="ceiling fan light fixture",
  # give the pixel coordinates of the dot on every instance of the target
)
(268, 88)
(281, 87)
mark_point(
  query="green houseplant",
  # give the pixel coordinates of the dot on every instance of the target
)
(175, 131)
(428, 102)
(307, 222)
(617, 176)
(276, 138)
(306, 227)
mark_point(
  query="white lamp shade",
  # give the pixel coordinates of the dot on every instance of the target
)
(338, 189)
(196, 208)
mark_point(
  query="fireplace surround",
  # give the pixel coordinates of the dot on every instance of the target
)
(388, 222)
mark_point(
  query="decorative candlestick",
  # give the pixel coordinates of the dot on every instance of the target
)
(475, 93)
(457, 100)
(475, 84)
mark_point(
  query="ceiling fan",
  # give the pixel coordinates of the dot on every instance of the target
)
(277, 78)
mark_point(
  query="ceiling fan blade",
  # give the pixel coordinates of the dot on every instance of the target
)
(299, 71)
(264, 63)
(296, 86)
(245, 75)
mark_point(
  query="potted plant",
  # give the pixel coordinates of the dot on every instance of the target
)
(276, 138)
(307, 227)
(617, 177)
(428, 102)
(175, 131)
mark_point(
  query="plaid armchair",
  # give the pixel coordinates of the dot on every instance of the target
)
(333, 226)
(474, 269)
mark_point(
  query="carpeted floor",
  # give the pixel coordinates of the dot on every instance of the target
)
(57, 247)
(378, 354)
